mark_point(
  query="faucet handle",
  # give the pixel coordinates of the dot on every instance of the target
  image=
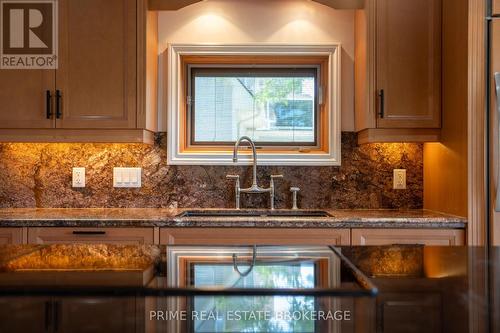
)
(235, 177)
(294, 191)
(273, 177)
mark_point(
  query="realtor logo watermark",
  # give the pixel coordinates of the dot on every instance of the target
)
(28, 36)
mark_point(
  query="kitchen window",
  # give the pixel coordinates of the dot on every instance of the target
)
(273, 106)
(286, 98)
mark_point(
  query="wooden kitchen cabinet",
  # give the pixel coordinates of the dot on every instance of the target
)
(71, 314)
(441, 237)
(495, 7)
(97, 60)
(24, 314)
(23, 98)
(97, 314)
(11, 236)
(106, 79)
(251, 236)
(409, 312)
(56, 235)
(494, 134)
(398, 80)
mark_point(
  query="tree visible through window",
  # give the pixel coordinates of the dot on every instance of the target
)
(273, 106)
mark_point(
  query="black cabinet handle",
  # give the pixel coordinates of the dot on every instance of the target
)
(48, 104)
(89, 232)
(58, 104)
(382, 103)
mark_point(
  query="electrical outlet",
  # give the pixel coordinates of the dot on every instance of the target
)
(78, 177)
(399, 179)
(127, 177)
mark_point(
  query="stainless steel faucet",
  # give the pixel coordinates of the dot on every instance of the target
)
(254, 188)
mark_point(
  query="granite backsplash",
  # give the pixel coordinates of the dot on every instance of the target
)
(39, 175)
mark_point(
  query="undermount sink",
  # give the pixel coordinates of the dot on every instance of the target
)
(254, 213)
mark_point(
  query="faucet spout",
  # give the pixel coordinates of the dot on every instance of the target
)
(254, 188)
(254, 153)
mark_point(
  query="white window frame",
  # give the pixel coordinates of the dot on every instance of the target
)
(176, 157)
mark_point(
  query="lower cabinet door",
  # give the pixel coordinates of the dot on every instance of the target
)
(25, 314)
(441, 237)
(102, 314)
(11, 236)
(251, 236)
(409, 313)
(53, 235)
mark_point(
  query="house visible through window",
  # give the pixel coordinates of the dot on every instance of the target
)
(273, 106)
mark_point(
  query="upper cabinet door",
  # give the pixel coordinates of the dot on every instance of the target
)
(24, 102)
(408, 52)
(494, 133)
(97, 74)
(495, 6)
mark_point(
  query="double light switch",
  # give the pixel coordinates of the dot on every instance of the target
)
(127, 177)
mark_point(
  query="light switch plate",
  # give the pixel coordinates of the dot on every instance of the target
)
(127, 177)
(78, 177)
(399, 179)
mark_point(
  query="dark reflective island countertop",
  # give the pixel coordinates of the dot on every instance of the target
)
(399, 288)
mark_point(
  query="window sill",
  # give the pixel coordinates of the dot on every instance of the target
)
(263, 158)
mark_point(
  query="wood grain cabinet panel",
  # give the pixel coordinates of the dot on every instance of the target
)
(405, 312)
(97, 63)
(408, 236)
(250, 236)
(71, 314)
(23, 98)
(106, 79)
(24, 314)
(494, 130)
(495, 7)
(398, 79)
(11, 236)
(409, 67)
(56, 235)
(103, 314)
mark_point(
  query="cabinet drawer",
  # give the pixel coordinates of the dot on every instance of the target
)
(90, 235)
(11, 236)
(408, 236)
(249, 236)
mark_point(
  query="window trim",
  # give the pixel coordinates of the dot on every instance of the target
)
(180, 153)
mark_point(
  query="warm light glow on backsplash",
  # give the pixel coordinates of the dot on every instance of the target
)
(393, 153)
(39, 175)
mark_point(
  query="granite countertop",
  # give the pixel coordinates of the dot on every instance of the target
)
(165, 217)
